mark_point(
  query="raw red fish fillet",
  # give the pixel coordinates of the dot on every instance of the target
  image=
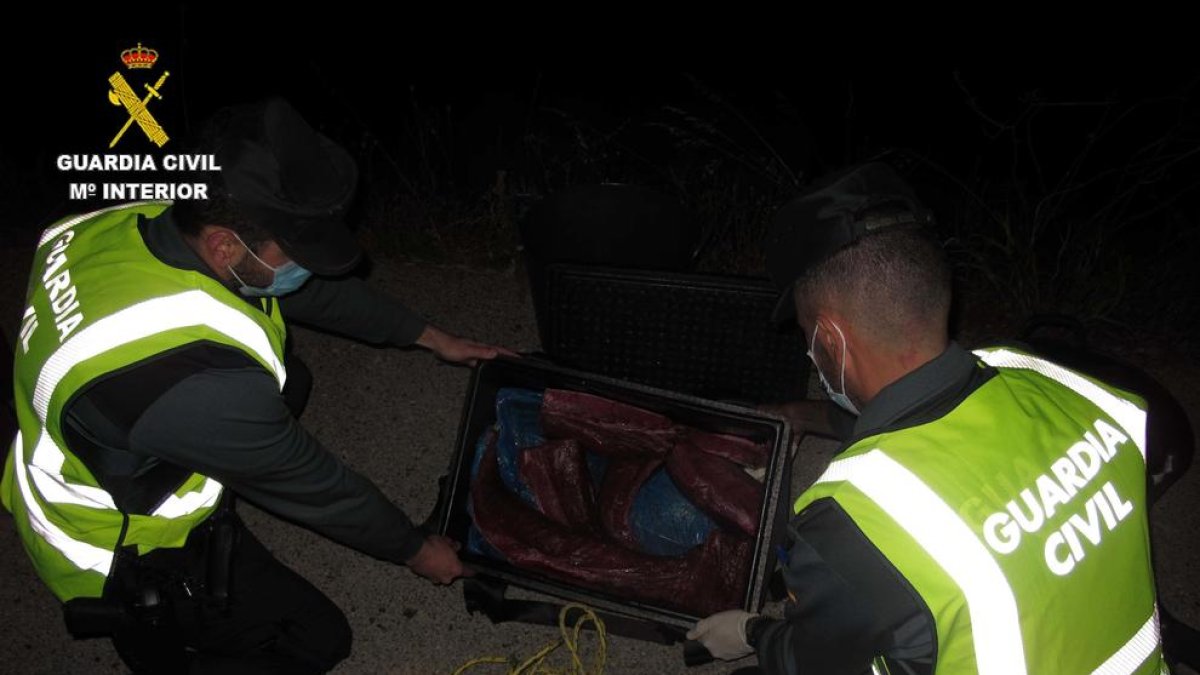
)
(557, 475)
(718, 486)
(736, 449)
(606, 427)
(708, 579)
(622, 481)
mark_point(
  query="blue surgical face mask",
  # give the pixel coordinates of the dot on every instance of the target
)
(288, 277)
(839, 398)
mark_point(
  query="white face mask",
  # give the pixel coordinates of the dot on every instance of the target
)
(839, 398)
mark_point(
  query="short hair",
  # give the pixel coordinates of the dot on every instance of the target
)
(894, 284)
(191, 215)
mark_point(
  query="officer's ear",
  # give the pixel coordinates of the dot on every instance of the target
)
(837, 337)
(827, 336)
(221, 246)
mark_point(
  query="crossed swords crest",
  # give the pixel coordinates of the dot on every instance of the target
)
(122, 94)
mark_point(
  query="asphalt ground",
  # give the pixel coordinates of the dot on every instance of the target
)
(393, 415)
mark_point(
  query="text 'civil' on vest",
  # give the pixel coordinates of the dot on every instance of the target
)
(1069, 475)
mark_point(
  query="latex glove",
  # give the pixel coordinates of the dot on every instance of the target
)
(437, 560)
(724, 634)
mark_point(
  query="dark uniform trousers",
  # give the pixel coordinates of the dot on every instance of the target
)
(271, 621)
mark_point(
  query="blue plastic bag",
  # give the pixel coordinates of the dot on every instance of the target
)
(519, 416)
(476, 543)
(664, 521)
(518, 426)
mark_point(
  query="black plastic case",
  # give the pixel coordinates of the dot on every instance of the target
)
(701, 335)
(479, 413)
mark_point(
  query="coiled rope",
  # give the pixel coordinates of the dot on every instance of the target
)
(537, 664)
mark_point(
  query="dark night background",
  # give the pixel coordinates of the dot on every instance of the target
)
(1063, 183)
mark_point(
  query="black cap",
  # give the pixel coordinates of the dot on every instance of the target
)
(812, 227)
(293, 182)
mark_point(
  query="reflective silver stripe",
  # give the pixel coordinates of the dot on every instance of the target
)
(53, 486)
(146, 318)
(176, 506)
(1140, 647)
(1131, 418)
(995, 623)
(150, 317)
(53, 232)
(81, 554)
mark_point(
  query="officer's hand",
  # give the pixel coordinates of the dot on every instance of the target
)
(456, 349)
(438, 560)
(724, 634)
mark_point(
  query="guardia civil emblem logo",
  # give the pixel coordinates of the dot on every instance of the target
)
(138, 59)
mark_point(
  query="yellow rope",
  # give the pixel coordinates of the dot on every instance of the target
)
(536, 664)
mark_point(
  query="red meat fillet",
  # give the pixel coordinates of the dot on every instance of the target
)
(736, 449)
(557, 475)
(606, 427)
(622, 481)
(710, 578)
(718, 486)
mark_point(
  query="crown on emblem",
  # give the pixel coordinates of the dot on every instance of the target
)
(139, 57)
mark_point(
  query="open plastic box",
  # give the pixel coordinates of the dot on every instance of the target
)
(698, 349)
(479, 414)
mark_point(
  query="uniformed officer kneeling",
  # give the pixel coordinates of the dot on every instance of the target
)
(988, 513)
(152, 383)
